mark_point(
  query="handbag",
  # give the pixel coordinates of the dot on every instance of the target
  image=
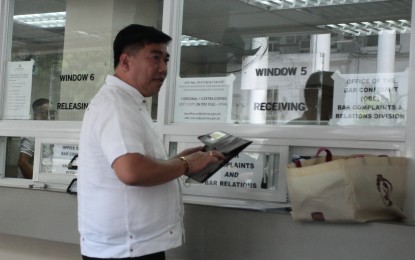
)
(357, 188)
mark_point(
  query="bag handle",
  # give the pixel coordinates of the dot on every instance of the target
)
(329, 156)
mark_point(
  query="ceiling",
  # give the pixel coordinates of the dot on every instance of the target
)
(43, 39)
(210, 19)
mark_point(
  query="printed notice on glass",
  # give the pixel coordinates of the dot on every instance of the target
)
(277, 71)
(203, 100)
(62, 155)
(56, 157)
(18, 89)
(245, 171)
(375, 99)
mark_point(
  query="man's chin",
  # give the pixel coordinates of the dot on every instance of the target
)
(158, 85)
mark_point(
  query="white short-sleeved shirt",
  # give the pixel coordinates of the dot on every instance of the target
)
(27, 146)
(116, 220)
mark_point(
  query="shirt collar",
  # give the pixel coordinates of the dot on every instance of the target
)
(119, 84)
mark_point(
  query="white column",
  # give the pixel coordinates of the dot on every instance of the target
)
(87, 50)
(409, 135)
(386, 61)
(386, 51)
(257, 116)
(320, 46)
(257, 84)
(90, 30)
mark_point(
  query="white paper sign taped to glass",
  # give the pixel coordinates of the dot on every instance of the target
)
(277, 83)
(245, 171)
(374, 99)
(203, 100)
(57, 160)
(276, 71)
(18, 89)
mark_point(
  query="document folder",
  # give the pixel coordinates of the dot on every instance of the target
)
(223, 142)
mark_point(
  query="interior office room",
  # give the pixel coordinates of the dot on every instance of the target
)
(289, 75)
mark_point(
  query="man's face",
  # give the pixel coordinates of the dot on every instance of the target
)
(147, 68)
(43, 112)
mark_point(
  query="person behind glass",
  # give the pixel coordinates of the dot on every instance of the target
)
(315, 114)
(41, 111)
(129, 201)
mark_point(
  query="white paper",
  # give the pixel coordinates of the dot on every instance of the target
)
(203, 100)
(18, 89)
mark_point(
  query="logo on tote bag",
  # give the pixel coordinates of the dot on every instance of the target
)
(385, 189)
(317, 216)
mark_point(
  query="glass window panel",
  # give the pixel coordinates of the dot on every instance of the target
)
(19, 157)
(59, 159)
(61, 50)
(253, 62)
(249, 171)
(12, 156)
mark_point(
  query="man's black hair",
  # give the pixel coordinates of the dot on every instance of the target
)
(39, 102)
(136, 35)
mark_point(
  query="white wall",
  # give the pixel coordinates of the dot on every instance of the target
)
(42, 225)
(22, 248)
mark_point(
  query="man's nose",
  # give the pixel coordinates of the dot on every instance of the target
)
(163, 67)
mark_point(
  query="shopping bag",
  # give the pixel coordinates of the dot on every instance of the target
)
(357, 188)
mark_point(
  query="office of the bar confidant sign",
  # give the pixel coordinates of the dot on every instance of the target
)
(374, 99)
(56, 157)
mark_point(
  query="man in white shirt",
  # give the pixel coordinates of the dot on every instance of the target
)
(129, 201)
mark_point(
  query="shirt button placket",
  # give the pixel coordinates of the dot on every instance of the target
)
(131, 237)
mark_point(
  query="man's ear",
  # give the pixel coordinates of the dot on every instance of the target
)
(124, 62)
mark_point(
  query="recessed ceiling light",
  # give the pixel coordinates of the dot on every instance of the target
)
(297, 4)
(368, 28)
(187, 40)
(42, 20)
